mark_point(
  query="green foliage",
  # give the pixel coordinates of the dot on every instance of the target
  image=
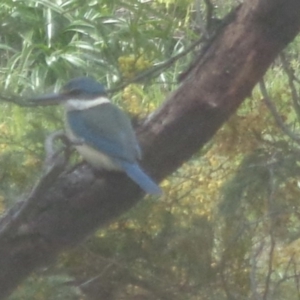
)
(74, 37)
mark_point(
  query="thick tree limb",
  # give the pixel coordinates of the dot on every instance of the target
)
(78, 202)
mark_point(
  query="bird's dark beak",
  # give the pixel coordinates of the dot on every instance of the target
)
(49, 99)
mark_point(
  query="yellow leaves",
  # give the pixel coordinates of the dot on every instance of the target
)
(136, 101)
(246, 130)
(166, 186)
(238, 135)
(131, 65)
(166, 183)
(132, 99)
(196, 192)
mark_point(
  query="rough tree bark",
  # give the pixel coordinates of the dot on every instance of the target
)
(64, 212)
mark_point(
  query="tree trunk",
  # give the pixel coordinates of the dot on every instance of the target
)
(62, 213)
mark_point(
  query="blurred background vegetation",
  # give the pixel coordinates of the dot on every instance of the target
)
(228, 224)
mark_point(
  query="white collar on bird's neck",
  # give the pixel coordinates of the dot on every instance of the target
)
(78, 104)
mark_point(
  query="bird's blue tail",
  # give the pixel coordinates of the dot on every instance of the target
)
(141, 178)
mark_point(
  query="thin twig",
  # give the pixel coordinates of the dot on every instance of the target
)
(272, 191)
(275, 114)
(156, 70)
(291, 78)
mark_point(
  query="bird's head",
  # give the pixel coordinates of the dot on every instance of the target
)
(83, 87)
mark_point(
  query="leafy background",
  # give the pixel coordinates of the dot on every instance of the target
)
(227, 226)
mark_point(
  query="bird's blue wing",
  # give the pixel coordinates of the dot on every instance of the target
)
(107, 130)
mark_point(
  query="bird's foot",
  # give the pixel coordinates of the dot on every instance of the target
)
(57, 158)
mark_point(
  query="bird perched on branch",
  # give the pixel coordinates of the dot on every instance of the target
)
(100, 131)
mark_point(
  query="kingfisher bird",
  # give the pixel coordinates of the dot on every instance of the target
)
(101, 132)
